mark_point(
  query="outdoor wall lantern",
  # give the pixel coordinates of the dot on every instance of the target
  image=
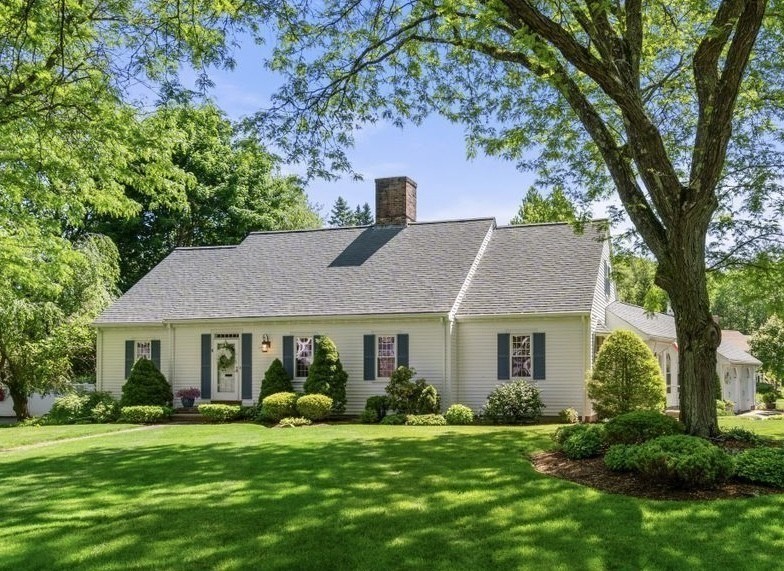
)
(265, 343)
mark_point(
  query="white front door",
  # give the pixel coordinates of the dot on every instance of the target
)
(226, 364)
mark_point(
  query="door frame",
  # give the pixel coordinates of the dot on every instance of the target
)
(218, 338)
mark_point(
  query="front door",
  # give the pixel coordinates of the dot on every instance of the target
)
(226, 352)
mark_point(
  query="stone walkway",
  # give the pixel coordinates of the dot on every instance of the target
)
(760, 414)
(61, 440)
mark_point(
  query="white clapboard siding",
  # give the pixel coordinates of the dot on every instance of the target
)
(565, 344)
(111, 355)
(601, 299)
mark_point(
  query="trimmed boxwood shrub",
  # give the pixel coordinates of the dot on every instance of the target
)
(621, 457)
(425, 420)
(314, 407)
(625, 377)
(740, 434)
(379, 404)
(294, 421)
(517, 402)
(762, 465)
(102, 407)
(146, 385)
(684, 461)
(564, 432)
(584, 443)
(394, 419)
(369, 416)
(569, 416)
(276, 380)
(640, 426)
(248, 412)
(459, 414)
(145, 414)
(220, 412)
(277, 406)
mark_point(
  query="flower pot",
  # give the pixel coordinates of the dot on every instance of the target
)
(186, 402)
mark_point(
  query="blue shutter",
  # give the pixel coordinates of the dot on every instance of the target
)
(539, 357)
(130, 353)
(155, 352)
(402, 350)
(503, 356)
(288, 354)
(247, 365)
(370, 357)
(206, 366)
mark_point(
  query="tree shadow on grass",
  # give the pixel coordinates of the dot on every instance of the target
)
(353, 500)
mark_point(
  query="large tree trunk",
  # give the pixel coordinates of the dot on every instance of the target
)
(20, 402)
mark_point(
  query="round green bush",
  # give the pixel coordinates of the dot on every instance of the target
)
(569, 416)
(220, 412)
(314, 407)
(278, 405)
(517, 402)
(294, 421)
(584, 443)
(146, 385)
(683, 461)
(144, 414)
(761, 465)
(425, 420)
(394, 419)
(102, 407)
(406, 396)
(625, 377)
(564, 432)
(69, 409)
(621, 457)
(368, 416)
(640, 426)
(379, 404)
(276, 380)
(459, 414)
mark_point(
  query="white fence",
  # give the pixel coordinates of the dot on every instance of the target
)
(38, 404)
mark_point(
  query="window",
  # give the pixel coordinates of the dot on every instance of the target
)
(386, 356)
(303, 356)
(143, 350)
(668, 372)
(521, 356)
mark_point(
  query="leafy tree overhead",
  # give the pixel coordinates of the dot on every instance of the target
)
(675, 106)
(745, 297)
(767, 344)
(553, 208)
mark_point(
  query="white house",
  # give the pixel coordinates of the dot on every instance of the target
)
(467, 303)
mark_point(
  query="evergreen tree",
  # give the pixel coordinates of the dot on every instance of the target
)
(364, 217)
(276, 380)
(326, 375)
(341, 214)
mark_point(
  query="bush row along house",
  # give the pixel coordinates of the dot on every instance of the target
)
(468, 303)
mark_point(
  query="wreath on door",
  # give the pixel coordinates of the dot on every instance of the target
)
(228, 356)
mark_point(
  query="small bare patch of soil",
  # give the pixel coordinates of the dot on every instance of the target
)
(592, 472)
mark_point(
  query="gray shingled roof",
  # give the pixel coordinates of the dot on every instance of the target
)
(536, 268)
(419, 268)
(662, 325)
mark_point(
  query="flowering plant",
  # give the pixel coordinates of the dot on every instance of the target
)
(189, 393)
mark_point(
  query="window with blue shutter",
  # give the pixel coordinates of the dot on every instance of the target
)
(130, 356)
(402, 350)
(503, 356)
(206, 366)
(539, 357)
(247, 366)
(288, 354)
(521, 356)
(155, 353)
(369, 357)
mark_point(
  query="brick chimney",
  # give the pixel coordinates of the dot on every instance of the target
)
(395, 201)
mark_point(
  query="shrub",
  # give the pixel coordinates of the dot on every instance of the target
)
(762, 465)
(368, 416)
(102, 407)
(770, 399)
(514, 403)
(584, 443)
(379, 405)
(276, 380)
(425, 420)
(640, 426)
(625, 377)
(144, 414)
(314, 407)
(621, 457)
(569, 416)
(248, 412)
(459, 414)
(411, 397)
(763, 388)
(326, 375)
(725, 408)
(294, 421)
(683, 461)
(278, 405)
(69, 409)
(740, 434)
(394, 419)
(146, 385)
(219, 412)
(564, 432)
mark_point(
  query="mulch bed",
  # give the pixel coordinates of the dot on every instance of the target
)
(592, 472)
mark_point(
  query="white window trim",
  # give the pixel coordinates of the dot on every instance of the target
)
(394, 341)
(530, 349)
(668, 371)
(138, 342)
(312, 352)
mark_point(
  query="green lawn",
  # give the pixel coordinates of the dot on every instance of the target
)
(13, 436)
(350, 497)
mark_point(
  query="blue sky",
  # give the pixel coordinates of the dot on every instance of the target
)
(433, 154)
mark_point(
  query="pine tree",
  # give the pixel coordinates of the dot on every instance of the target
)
(341, 214)
(363, 217)
(326, 375)
(276, 380)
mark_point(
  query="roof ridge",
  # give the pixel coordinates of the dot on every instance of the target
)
(223, 247)
(592, 221)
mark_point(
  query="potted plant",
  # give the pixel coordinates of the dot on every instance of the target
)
(187, 396)
(770, 400)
